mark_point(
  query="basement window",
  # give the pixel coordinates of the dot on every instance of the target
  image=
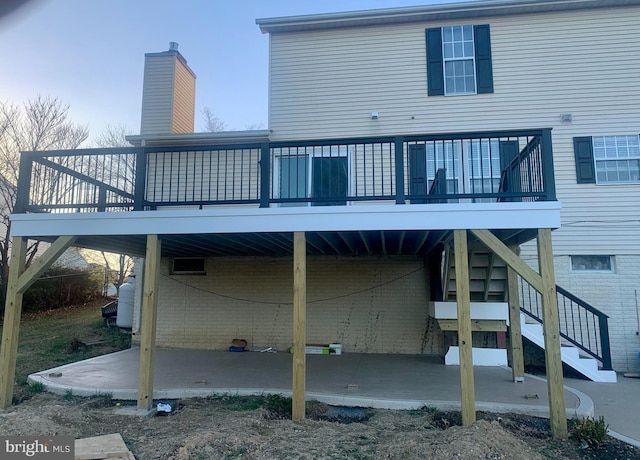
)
(187, 266)
(592, 264)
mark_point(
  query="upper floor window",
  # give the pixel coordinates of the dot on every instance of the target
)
(607, 159)
(459, 60)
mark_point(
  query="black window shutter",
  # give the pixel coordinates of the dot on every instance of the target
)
(435, 71)
(418, 171)
(583, 151)
(484, 68)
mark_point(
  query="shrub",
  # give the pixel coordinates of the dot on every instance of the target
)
(590, 430)
(60, 287)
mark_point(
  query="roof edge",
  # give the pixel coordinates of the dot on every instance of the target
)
(221, 137)
(426, 13)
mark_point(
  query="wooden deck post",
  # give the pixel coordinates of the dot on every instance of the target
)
(19, 281)
(515, 328)
(551, 328)
(299, 324)
(465, 340)
(148, 323)
(11, 325)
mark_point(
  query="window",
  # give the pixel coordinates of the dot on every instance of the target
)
(459, 60)
(617, 159)
(592, 263)
(320, 174)
(188, 266)
(607, 159)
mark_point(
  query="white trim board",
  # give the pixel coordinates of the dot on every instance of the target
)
(330, 218)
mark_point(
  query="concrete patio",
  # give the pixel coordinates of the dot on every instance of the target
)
(369, 380)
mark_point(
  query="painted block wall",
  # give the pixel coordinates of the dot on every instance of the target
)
(369, 304)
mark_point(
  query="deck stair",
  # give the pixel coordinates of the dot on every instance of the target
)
(584, 348)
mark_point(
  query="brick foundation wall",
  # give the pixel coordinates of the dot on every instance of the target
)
(369, 304)
(612, 293)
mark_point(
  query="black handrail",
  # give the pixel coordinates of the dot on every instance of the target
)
(288, 172)
(581, 324)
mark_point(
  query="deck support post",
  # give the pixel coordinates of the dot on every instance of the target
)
(19, 281)
(299, 324)
(11, 325)
(515, 328)
(148, 321)
(551, 328)
(465, 339)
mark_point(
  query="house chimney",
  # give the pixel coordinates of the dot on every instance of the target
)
(168, 93)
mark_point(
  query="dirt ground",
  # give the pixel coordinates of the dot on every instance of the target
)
(228, 427)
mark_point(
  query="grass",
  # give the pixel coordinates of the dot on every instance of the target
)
(56, 337)
(277, 406)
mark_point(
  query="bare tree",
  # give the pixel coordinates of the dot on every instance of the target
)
(253, 126)
(114, 136)
(40, 124)
(212, 123)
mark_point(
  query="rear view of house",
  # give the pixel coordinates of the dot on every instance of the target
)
(411, 154)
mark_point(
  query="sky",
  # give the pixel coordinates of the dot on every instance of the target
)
(90, 53)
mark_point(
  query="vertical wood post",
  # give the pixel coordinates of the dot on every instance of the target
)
(148, 322)
(465, 341)
(11, 325)
(299, 324)
(515, 328)
(551, 328)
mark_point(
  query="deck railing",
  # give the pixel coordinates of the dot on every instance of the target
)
(468, 167)
(581, 324)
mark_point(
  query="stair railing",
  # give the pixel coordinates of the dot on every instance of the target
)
(581, 324)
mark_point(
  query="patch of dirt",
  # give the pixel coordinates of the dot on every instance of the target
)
(225, 428)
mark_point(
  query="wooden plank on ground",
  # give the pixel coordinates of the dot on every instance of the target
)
(98, 447)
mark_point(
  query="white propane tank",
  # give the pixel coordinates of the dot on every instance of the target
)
(125, 303)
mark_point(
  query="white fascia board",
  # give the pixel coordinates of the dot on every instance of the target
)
(330, 218)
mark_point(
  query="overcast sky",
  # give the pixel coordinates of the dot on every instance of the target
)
(90, 53)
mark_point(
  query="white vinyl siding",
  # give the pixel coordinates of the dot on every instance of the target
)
(184, 99)
(325, 84)
(157, 100)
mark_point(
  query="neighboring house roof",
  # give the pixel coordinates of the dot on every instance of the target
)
(427, 13)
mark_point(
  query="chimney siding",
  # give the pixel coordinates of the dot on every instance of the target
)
(168, 94)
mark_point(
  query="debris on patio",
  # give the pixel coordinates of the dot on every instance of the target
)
(110, 446)
(322, 349)
(238, 345)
